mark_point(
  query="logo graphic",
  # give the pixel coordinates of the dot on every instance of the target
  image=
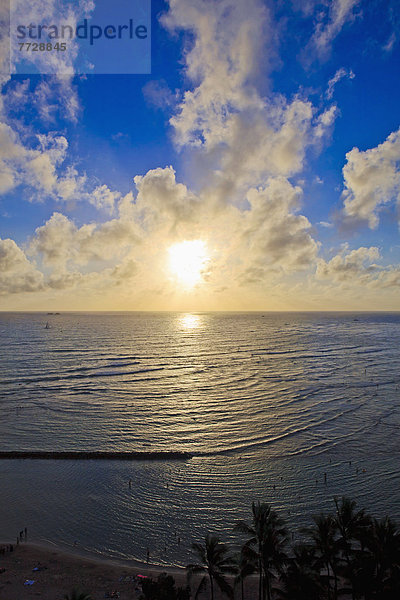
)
(67, 37)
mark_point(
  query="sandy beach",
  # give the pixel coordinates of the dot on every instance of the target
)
(60, 572)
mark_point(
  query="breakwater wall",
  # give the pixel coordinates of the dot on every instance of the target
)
(94, 455)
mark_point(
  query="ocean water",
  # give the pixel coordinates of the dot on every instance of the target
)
(266, 402)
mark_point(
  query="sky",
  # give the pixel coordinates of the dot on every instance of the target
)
(257, 167)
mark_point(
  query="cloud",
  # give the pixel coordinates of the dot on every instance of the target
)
(125, 271)
(17, 274)
(340, 74)
(40, 165)
(391, 42)
(324, 122)
(51, 98)
(358, 270)
(4, 45)
(56, 97)
(71, 257)
(71, 185)
(64, 280)
(372, 179)
(263, 240)
(247, 137)
(104, 199)
(163, 201)
(15, 96)
(117, 137)
(23, 12)
(332, 19)
(158, 95)
(389, 278)
(220, 64)
(10, 151)
(350, 266)
(34, 167)
(276, 239)
(34, 163)
(60, 243)
(41, 169)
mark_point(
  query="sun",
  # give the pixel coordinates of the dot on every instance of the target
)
(187, 261)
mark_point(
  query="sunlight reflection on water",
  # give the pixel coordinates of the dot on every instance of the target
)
(267, 403)
(189, 321)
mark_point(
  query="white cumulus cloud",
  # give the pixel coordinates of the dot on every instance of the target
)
(372, 179)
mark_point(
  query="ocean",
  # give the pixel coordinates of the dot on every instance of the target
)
(267, 404)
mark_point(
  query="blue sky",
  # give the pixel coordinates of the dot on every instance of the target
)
(269, 131)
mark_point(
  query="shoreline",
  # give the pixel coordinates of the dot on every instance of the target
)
(78, 552)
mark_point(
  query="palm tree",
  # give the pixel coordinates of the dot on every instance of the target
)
(324, 539)
(214, 563)
(77, 595)
(352, 525)
(245, 566)
(301, 579)
(266, 544)
(163, 588)
(384, 547)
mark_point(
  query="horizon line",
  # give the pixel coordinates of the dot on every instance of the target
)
(59, 312)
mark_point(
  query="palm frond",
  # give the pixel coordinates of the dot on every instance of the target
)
(201, 587)
(195, 569)
(223, 585)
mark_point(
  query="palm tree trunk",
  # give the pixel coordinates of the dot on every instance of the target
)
(242, 586)
(336, 584)
(379, 580)
(329, 580)
(260, 585)
(211, 586)
(353, 595)
(267, 585)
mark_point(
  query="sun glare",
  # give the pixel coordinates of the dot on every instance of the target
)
(187, 261)
(189, 322)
